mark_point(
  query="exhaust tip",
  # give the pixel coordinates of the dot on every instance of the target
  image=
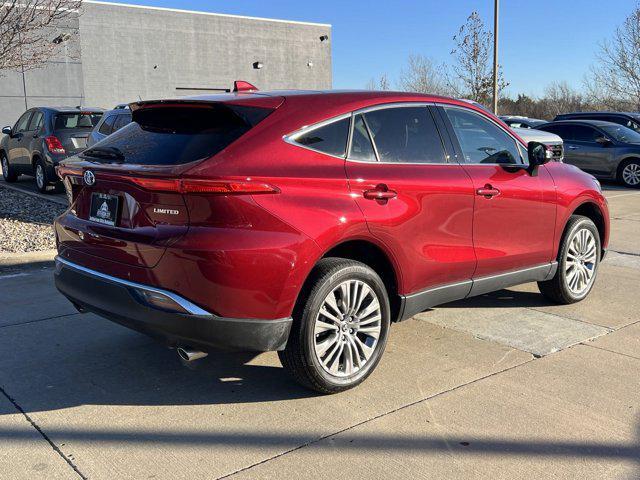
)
(189, 355)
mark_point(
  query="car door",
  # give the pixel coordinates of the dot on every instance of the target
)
(33, 134)
(514, 210)
(17, 144)
(416, 203)
(588, 154)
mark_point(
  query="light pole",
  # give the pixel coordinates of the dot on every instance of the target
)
(495, 56)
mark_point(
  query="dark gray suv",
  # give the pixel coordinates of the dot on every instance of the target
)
(42, 137)
(604, 149)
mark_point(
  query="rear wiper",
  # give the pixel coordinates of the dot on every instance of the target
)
(108, 153)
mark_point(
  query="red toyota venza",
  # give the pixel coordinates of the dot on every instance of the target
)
(307, 222)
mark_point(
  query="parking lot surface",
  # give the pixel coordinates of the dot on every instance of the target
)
(506, 385)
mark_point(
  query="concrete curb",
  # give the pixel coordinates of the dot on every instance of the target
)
(11, 260)
(42, 196)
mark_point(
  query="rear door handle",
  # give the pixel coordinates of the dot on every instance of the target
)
(572, 147)
(488, 191)
(381, 192)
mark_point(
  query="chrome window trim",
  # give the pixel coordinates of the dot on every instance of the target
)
(384, 106)
(290, 138)
(489, 119)
(192, 308)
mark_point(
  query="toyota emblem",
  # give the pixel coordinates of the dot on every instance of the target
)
(89, 178)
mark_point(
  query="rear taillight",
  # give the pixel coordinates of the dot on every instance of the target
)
(54, 145)
(223, 187)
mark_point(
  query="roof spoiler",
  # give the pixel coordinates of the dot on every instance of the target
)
(242, 86)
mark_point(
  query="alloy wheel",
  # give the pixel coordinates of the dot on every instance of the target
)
(581, 261)
(631, 174)
(347, 328)
(39, 176)
(5, 167)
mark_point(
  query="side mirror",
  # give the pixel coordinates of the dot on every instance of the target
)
(538, 155)
(604, 141)
(7, 131)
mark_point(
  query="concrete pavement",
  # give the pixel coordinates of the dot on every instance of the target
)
(460, 393)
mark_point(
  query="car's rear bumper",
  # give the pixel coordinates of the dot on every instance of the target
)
(182, 323)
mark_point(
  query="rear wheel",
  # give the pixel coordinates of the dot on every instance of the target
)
(339, 328)
(8, 172)
(42, 178)
(629, 173)
(578, 262)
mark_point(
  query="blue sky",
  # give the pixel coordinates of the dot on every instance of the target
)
(541, 40)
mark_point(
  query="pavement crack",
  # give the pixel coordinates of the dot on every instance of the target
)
(44, 435)
(610, 351)
(609, 329)
(39, 320)
(375, 417)
(633, 254)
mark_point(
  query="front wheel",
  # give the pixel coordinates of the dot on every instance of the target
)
(578, 262)
(340, 327)
(629, 173)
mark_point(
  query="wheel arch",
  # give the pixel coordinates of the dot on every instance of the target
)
(375, 257)
(623, 161)
(592, 211)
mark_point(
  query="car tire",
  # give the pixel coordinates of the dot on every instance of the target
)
(42, 178)
(330, 349)
(8, 172)
(629, 173)
(578, 262)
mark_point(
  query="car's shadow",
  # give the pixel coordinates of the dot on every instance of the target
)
(502, 299)
(85, 360)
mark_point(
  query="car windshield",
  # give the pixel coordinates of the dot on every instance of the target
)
(622, 134)
(76, 120)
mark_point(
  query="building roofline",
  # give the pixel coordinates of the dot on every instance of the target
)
(197, 12)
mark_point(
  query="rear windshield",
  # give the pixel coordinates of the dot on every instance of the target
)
(64, 121)
(172, 135)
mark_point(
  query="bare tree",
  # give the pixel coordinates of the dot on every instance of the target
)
(380, 84)
(421, 75)
(615, 80)
(559, 97)
(28, 33)
(473, 68)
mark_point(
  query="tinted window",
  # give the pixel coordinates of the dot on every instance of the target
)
(581, 133)
(561, 130)
(482, 141)
(121, 121)
(107, 125)
(405, 134)
(23, 121)
(76, 120)
(622, 134)
(169, 135)
(36, 121)
(361, 147)
(331, 138)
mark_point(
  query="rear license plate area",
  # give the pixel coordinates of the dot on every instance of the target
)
(104, 208)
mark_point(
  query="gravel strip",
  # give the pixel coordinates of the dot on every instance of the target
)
(25, 222)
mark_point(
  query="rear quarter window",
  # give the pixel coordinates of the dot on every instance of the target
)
(330, 138)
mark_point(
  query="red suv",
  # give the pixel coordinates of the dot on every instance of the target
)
(307, 222)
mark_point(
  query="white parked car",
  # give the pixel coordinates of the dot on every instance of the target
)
(553, 141)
